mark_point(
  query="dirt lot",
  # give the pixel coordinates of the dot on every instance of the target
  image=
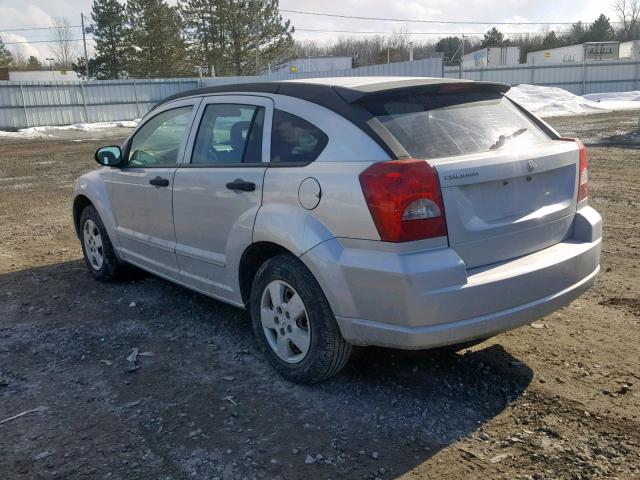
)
(562, 401)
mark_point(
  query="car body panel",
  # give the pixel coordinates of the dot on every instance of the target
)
(380, 298)
(143, 212)
(213, 224)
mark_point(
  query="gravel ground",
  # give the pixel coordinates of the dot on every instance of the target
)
(558, 401)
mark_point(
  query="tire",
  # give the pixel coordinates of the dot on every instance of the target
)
(327, 352)
(97, 246)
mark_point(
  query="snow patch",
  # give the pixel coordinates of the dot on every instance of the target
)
(555, 102)
(41, 132)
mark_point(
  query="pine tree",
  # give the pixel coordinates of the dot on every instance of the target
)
(205, 37)
(33, 63)
(449, 46)
(493, 38)
(158, 49)
(110, 35)
(576, 34)
(551, 40)
(5, 55)
(600, 30)
(227, 34)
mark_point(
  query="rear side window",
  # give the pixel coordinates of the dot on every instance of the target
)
(294, 139)
(452, 124)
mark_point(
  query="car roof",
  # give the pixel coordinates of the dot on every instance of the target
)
(343, 95)
(324, 91)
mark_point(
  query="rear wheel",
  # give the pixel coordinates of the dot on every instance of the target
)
(294, 323)
(96, 247)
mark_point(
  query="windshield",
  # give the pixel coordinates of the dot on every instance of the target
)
(452, 124)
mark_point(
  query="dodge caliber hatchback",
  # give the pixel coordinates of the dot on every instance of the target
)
(401, 212)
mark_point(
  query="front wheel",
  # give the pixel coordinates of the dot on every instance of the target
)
(294, 323)
(96, 247)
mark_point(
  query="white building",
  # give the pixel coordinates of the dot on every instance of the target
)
(590, 51)
(317, 64)
(491, 57)
(630, 50)
(44, 75)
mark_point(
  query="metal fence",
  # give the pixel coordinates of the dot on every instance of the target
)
(578, 78)
(29, 104)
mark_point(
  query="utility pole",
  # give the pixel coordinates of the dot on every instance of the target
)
(84, 42)
(411, 51)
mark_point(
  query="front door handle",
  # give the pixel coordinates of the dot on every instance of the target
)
(240, 184)
(159, 182)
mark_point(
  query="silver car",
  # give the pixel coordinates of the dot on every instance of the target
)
(401, 212)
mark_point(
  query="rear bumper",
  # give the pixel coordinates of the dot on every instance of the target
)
(428, 298)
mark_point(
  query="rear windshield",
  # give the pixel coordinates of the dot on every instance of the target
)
(451, 124)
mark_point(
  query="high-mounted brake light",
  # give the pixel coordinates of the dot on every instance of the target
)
(404, 199)
(583, 170)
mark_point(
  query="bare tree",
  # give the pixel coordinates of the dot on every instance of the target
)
(629, 15)
(64, 48)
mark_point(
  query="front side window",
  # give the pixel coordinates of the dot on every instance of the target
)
(157, 143)
(229, 134)
(294, 139)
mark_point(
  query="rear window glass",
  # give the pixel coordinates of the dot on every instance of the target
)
(294, 139)
(451, 124)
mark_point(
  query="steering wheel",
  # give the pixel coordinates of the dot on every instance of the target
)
(140, 158)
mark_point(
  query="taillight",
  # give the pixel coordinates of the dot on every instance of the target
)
(404, 199)
(583, 170)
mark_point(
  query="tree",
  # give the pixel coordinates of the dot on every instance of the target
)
(551, 40)
(5, 55)
(576, 34)
(629, 15)
(449, 46)
(63, 47)
(493, 38)
(33, 63)
(600, 30)
(204, 33)
(80, 67)
(110, 35)
(157, 47)
(238, 37)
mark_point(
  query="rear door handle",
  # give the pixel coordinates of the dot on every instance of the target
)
(240, 184)
(159, 182)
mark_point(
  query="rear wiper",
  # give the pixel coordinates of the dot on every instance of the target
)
(502, 139)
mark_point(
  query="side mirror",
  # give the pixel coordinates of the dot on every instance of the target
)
(109, 156)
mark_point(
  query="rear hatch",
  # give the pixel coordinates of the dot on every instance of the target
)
(509, 189)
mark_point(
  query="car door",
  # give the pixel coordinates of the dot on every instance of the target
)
(218, 190)
(140, 191)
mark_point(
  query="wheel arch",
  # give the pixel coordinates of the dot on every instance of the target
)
(79, 204)
(252, 258)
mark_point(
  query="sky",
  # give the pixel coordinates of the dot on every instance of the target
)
(16, 14)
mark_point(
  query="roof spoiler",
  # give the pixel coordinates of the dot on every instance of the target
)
(417, 86)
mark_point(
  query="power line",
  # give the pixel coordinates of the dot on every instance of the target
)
(26, 29)
(409, 33)
(458, 22)
(46, 41)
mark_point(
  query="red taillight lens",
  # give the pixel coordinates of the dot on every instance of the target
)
(404, 199)
(583, 170)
